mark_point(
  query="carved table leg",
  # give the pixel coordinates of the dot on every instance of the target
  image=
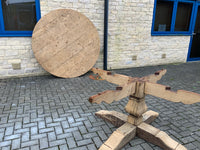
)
(157, 137)
(120, 137)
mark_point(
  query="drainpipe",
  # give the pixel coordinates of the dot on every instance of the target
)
(105, 42)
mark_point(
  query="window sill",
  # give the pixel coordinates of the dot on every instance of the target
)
(171, 34)
(16, 35)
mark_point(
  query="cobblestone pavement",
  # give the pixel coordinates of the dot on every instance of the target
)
(52, 113)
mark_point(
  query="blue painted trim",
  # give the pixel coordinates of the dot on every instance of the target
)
(190, 46)
(192, 17)
(194, 59)
(173, 21)
(37, 7)
(153, 19)
(1, 19)
(171, 33)
(4, 33)
(191, 38)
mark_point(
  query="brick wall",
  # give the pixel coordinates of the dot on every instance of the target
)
(130, 43)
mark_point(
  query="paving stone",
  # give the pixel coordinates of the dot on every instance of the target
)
(57, 142)
(59, 130)
(34, 130)
(76, 124)
(80, 148)
(65, 124)
(89, 135)
(71, 143)
(45, 130)
(35, 147)
(25, 136)
(30, 125)
(29, 143)
(11, 137)
(5, 143)
(41, 124)
(53, 148)
(70, 129)
(102, 135)
(25, 148)
(84, 142)
(53, 124)
(146, 146)
(18, 125)
(91, 147)
(65, 135)
(70, 119)
(77, 135)
(21, 130)
(6, 148)
(51, 136)
(16, 144)
(190, 146)
(43, 143)
(38, 136)
(9, 131)
(97, 142)
(188, 139)
(1, 136)
(82, 129)
(45, 109)
(63, 147)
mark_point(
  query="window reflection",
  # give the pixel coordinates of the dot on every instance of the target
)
(183, 16)
(163, 15)
(19, 15)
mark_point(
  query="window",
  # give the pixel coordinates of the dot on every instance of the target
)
(18, 17)
(163, 16)
(172, 17)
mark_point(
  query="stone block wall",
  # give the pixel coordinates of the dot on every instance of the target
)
(16, 57)
(130, 40)
(130, 43)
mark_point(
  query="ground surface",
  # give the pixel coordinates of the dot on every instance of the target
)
(53, 113)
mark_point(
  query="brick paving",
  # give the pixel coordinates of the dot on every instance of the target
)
(46, 112)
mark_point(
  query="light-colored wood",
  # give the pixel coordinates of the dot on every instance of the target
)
(111, 95)
(157, 137)
(114, 117)
(65, 43)
(161, 91)
(120, 137)
(180, 147)
(136, 107)
(139, 89)
(117, 119)
(134, 120)
(112, 78)
(105, 147)
(150, 116)
(153, 78)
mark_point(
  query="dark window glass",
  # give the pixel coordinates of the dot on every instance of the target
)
(183, 16)
(163, 15)
(19, 15)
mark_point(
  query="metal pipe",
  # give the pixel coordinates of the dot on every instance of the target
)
(105, 41)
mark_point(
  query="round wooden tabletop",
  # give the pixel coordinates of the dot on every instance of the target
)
(66, 43)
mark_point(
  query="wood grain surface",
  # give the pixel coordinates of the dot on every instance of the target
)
(66, 43)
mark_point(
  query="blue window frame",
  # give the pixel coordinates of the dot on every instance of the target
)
(173, 17)
(18, 17)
